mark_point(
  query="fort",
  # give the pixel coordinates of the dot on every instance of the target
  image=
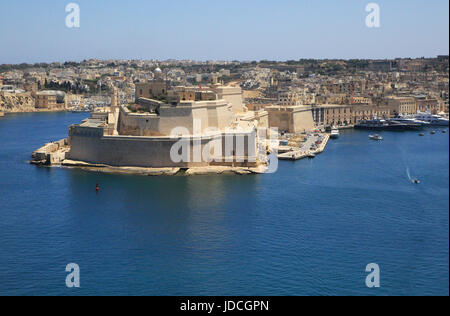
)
(165, 131)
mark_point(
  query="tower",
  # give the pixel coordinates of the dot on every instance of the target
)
(114, 97)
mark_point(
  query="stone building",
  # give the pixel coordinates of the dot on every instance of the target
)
(425, 103)
(202, 124)
(328, 115)
(153, 89)
(401, 105)
(46, 100)
(290, 119)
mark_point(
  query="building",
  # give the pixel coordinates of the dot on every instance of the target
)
(290, 119)
(328, 115)
(232, 94)
(46, 100)
(288, 98)
(31, 87)
(425, 103)
(154, 89)
(401, 105)
(147, 138)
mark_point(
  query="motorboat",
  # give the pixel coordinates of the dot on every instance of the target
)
(334, 133)
(435, 120)
(388, 125)
(375, 137)
(408, 120)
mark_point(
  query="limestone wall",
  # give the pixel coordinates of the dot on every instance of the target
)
(215, 114)
(291, 119)
(154, 152)
(233, 95)
(138, 124)
(303, 121)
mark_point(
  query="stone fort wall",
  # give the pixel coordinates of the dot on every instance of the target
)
(89, 144)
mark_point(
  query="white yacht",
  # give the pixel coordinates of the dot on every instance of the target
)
(334, 133)
(435, 120)
(408, 119)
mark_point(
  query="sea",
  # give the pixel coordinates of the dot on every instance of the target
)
(311, 228)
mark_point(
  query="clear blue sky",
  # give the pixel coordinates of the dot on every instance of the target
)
(35, 31)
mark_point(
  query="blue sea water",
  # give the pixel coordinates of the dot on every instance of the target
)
(309, 229)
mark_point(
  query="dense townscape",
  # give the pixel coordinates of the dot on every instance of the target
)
(339, 92)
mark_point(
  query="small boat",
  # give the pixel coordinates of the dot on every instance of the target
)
(421, 134)
(311, 156)
(444, 132)
(334, 133)
(433, 132)
(375, 137)
(416, 181)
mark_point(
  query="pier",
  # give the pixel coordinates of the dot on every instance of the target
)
(304, 151)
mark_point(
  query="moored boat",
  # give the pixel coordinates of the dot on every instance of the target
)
(409, 120)
(435, 120)
(388, 125)
(334, 133)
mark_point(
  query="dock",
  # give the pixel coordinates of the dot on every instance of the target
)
(294, 155)
(301, 153)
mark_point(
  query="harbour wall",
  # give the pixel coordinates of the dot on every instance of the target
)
(90, 145)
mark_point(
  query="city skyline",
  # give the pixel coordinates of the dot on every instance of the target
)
(200, 30)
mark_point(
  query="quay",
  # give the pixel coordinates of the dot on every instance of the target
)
(304, 151)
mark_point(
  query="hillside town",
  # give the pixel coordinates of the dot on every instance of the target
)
(337, 92)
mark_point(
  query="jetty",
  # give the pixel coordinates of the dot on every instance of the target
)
(301, 153)
(52, 153)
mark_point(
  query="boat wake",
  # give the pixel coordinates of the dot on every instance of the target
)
(409, 174)
(412, 180)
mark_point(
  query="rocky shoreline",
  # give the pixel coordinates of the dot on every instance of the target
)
(197, 171)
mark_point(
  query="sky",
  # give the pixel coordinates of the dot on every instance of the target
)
(36, 31)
